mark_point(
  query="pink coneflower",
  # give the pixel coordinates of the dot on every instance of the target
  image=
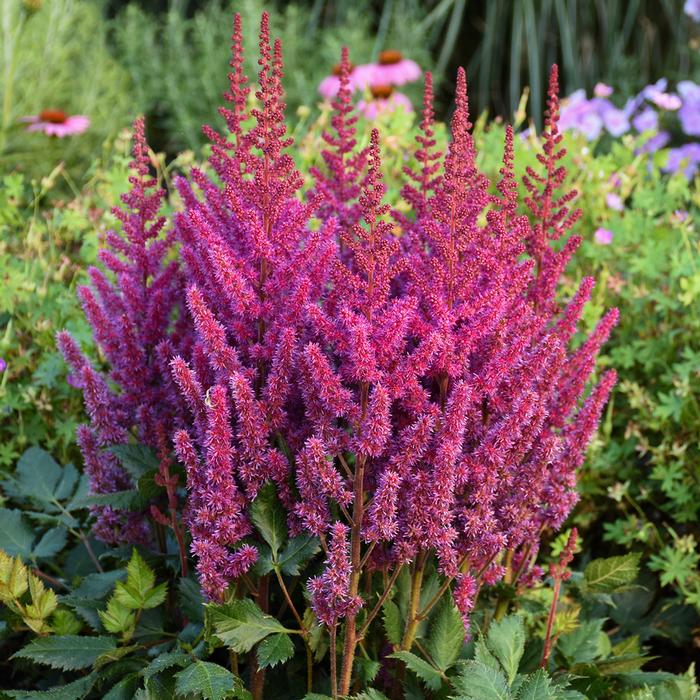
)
(55, 122)
(385, 101)
(359, 80)
(603, 236)
(393, 69)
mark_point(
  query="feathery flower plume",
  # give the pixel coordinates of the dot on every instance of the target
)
(131, 312)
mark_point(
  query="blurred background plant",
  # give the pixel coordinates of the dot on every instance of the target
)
(54, 56)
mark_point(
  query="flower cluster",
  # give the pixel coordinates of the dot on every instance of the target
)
(138, 323)
(644, 115)
(407, 381)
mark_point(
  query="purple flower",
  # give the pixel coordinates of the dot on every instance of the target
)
(614, 201)
(689, 113)
(665, 100)
(3, 365)
(646, 120)
(603, 236)
(684, 159)
(615, 120)
(602, 90)
(692, 9)
(656, 142)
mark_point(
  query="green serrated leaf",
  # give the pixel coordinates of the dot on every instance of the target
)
(51, 542)
(611, 574)
(117, 619)
(274, 650)
(536, 686)
(208, 680)
(297, 552)
(124, 689)
(241, 624)
(70, 691)
(139, 576)
(506, 641)
(38, 474)
(97, 586)
(479, 682)
(65, 622)
(429, 675)
(267, 514)
(131, 499)
(15, 534)
(136, 459)
(191, 601)
(66, 652)
(66, 484)
(446, 635)
(164, 661)
(392, 622)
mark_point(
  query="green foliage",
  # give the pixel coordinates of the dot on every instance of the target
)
(612, 574)
(208, 681)
(241, 624)
(68, 653)
(58, 58)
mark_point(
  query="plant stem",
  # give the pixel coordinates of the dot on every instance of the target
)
(334, 663)
(350, 640)
(413, 619)
(503, 598)
(304, 631)
(550, 625)
(257, 674)
(382, 599)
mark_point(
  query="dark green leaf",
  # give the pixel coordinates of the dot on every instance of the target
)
(15, 534)
(611, 574)
(164, 661)
(506, 641)
(430, 676)
(536, 686)
(71, 691)
(446, 635)
(97, 586)
(191, 601)
(136, 459)
(211, 681)
(267, 514)
(67, 652)
(297, 552)
(392, 622)
(479, 682)
(38, 474)
(274, 650)
(67, 482)
(51, 542)
(241, 624)
(125, 689)
(131, 499)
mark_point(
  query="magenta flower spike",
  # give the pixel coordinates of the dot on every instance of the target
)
(130, 307)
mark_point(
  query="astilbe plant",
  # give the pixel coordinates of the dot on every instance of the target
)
(415, 399)
(135, 310)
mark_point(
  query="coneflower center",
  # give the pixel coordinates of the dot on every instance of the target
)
(54, 116)
(381, 92)
(390, 56)
(337, 67)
